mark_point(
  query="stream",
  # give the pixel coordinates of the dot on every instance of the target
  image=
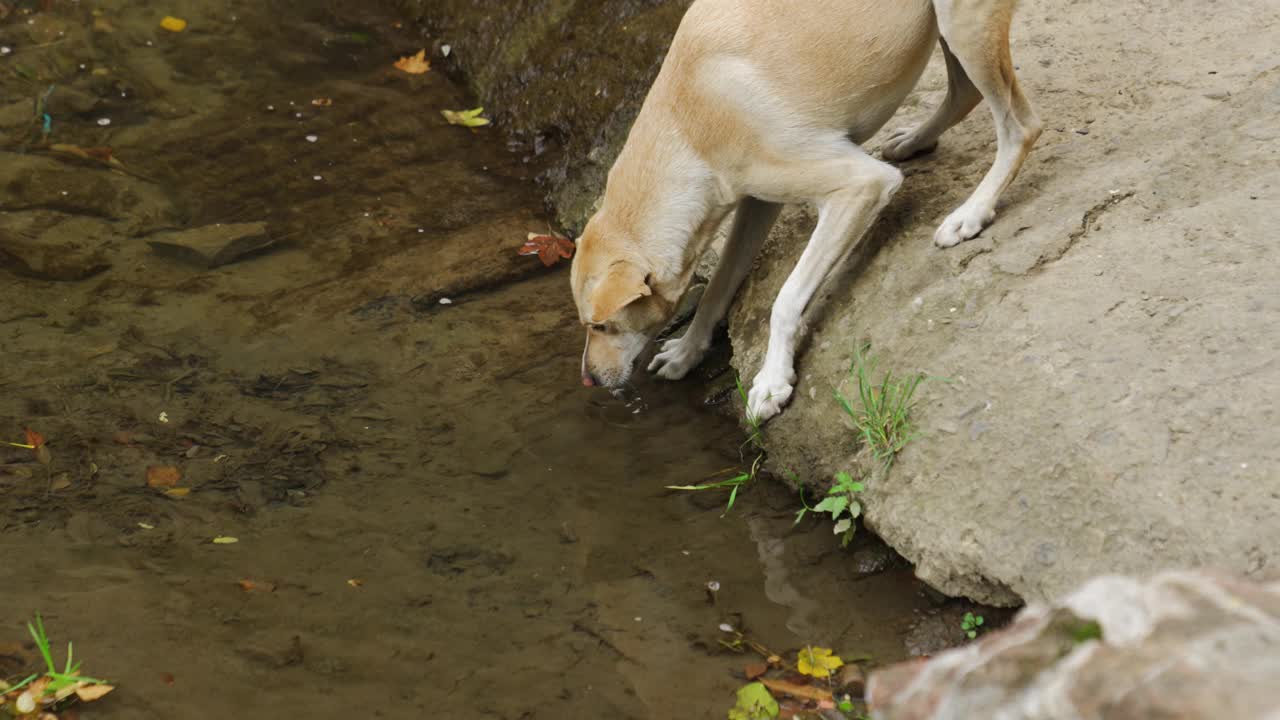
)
(354, 376)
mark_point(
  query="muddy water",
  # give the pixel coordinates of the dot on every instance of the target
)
(439, 521)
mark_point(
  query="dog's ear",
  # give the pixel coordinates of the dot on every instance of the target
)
(622, 284)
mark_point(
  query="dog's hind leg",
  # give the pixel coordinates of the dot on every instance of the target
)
(977, 33)
(850, 188)
(962, 97)
(751, 225)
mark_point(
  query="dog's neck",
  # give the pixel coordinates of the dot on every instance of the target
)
(666, 202)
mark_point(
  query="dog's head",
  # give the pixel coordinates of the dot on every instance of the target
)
(618, 301)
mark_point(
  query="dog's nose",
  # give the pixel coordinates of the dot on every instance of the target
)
(590, 380)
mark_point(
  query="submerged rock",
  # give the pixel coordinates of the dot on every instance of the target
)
(1180, 645)
(213, 245)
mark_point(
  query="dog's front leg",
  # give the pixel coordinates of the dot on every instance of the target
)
(863, 186)
(751, 224)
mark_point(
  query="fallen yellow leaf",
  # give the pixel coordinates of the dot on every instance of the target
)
(173, 24)
(224, 540)
(466, 118)
(818, 662)
(177, 492)
(414, 64)
(355, 582)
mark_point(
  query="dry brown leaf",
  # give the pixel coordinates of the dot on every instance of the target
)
(755, 670)
(808, 692)
(163, 476)
(89, 693)
(257, 586)
(414, 64)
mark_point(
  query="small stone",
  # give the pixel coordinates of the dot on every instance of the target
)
(446, 301)
(213, 245)
(104, 121)
(313, 138)
(852, 680)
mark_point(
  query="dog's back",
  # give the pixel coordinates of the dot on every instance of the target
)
(847, 64)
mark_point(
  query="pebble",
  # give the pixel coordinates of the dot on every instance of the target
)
(446, 301)
(104, 121)
(313, 138)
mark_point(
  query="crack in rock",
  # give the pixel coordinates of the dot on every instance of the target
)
(1087, 224)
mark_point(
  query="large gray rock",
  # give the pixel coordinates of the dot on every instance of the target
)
(1181, 645)
(1109, 342)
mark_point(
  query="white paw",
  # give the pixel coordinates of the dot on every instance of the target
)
(904, 143)
(769, 394)
(962, 224)
(677, 358)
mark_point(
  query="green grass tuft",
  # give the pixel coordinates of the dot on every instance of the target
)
(882, 413)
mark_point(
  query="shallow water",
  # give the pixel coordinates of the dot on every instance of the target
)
(451, 524)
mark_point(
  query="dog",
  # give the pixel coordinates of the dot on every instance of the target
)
(760, 103)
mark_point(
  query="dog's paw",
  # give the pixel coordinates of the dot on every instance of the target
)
(905, 143)
(678, 357)
(963, 224)
(769, 394)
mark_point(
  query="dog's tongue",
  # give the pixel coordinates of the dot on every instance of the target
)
(587, 381)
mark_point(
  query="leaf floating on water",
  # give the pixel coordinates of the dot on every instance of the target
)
(818, 662)
(177, 492)
(256, 586)
(466, 118)
(549, 248)
(34, 439)
(163, 476)
(225, 540)
(414, 64)
(173, 24)
(355, 582)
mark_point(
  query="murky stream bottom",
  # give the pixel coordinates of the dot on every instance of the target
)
(438, 521)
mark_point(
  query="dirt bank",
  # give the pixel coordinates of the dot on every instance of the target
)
(1108, 341)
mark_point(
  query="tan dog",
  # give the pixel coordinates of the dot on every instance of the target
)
(765, 102)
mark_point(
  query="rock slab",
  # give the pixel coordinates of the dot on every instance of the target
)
(1179, 645)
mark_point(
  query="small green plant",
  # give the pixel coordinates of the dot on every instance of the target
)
(882, 415)
(970, 624)
(841, 503)
(53, 684)
(754, 444)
